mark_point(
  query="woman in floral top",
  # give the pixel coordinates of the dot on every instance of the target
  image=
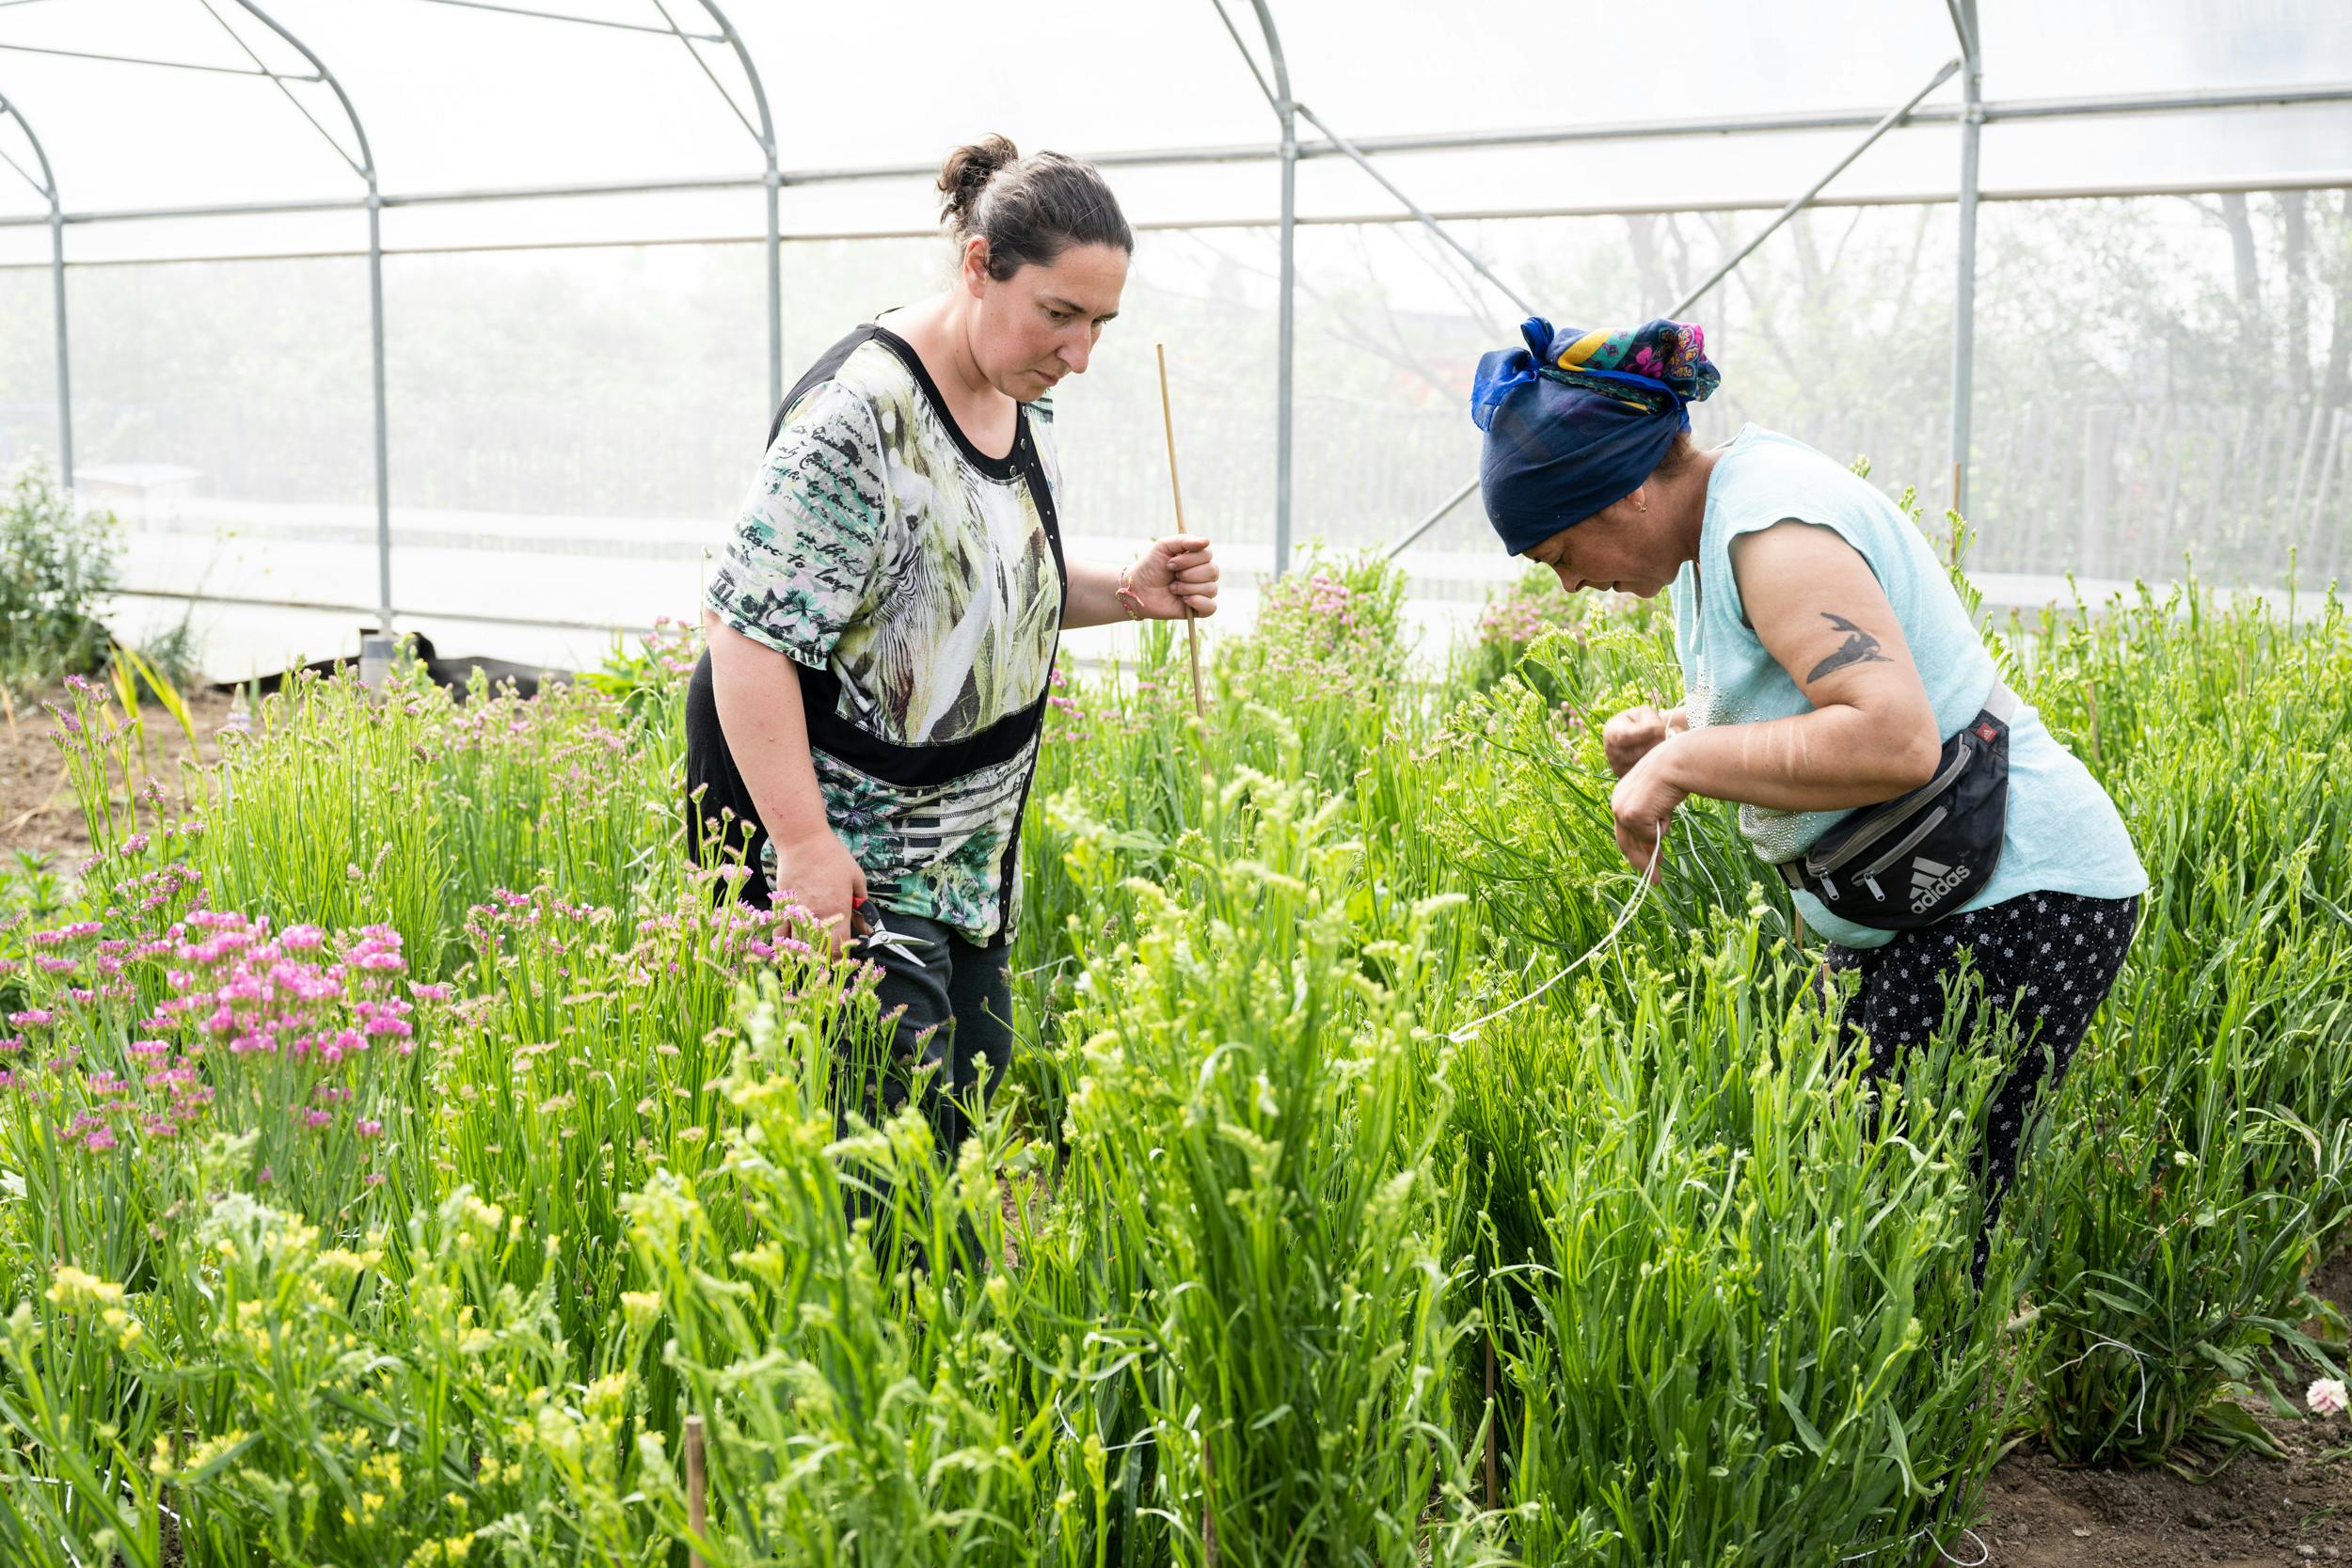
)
(883, 624)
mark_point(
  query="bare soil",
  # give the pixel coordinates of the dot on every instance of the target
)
(38, 810)
(2237, 1513)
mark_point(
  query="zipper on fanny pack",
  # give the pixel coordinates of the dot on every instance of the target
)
(1895, 816)
(1871, 872)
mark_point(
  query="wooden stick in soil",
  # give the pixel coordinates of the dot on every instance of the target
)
(16, 747)
(1192, 630)
(1208, 1517)
(1491, 1422)
(695, 1515)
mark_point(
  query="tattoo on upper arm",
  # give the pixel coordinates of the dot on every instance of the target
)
(1859, 648)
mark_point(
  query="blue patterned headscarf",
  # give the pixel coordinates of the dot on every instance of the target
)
(1575, 420)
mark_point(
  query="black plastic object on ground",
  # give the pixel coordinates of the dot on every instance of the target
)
(451, 674)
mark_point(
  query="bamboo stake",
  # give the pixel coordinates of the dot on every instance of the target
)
(1192, 628)
(695, 1515)
(16, 747)
(1208, 1514)
(1490, 1421)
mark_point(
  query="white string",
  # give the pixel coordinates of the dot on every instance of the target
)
(1984, 1552)
(1641, 889)
(2141, 1357)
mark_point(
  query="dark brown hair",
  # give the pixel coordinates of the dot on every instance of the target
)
(1679, 455)
(1028, 209)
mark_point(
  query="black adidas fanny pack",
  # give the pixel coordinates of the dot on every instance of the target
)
(1909, 862)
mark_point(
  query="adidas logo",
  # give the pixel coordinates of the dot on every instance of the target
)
(1931, 880)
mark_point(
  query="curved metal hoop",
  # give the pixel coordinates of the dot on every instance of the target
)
(47, 185)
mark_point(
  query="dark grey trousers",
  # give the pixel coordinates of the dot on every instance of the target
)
(953, 1038)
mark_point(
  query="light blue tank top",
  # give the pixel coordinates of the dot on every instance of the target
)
(2063, 833)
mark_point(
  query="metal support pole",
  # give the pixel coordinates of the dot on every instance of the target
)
(1411, 535)
(1439, 230)
(365, 165)
(774, 178)
(1888, 122)
(1885, 124)
(1286, 112)
(383, 444)
(1965, 287)
(1286, 333)
(775, 293)
(48, 187)
(582, 21)
(65, 353)
(1191, 157)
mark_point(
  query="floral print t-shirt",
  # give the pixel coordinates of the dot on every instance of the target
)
(918, 583)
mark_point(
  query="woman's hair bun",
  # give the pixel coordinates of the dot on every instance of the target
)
(966, 173)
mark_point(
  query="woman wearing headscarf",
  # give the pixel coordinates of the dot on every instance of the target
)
(1835, 689)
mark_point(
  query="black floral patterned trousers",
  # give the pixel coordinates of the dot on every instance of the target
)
(2048, 958)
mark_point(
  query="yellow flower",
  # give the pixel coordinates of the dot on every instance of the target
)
(76, 1291)
(125, 1328)
(210, 1450)
(607, 1396)
(352, 1264)
(453, 1550)
(641, 1307)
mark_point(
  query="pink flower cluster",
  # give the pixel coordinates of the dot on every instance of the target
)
(704, 936)
(255, 994)
(1318, 636)
(287, 1023)
(1072, 722)
(672, 645)
(730, 932)
(1529, 609)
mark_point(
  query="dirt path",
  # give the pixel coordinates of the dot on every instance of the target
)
(38, 810)
(2253, 1512)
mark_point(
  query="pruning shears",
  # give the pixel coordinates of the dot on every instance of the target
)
(878, 935)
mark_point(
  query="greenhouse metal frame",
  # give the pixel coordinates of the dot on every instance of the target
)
(1969, 116)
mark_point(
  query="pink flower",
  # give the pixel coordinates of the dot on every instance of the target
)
(370, 1128)
(2326, 1397)
(32, 1018)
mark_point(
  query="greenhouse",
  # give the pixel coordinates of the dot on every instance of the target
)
(1621, 846)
